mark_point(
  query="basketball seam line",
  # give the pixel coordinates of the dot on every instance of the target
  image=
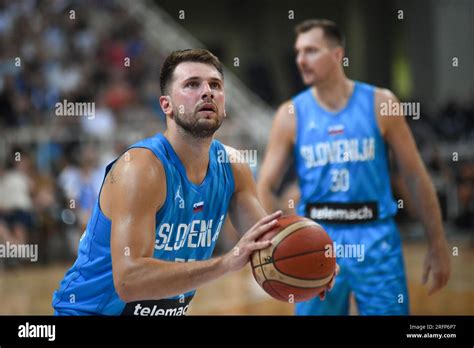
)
(293, 286)
(300, 254)
(288, 257)
(263, 272)
(288, 235)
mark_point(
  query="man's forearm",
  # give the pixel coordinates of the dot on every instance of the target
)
(149, 279)
(266, 197)
(423, 193)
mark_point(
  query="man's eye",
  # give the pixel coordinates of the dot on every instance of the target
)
(192, 84)
(215, 85)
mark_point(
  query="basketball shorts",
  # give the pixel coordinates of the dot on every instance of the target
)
(371, 267)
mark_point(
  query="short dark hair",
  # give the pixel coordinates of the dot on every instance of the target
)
(189, 55)
(330, 29)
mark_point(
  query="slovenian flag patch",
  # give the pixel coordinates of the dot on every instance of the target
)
(334, 130)
(197, 207)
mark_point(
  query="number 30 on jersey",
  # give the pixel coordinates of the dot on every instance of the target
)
(340, 180)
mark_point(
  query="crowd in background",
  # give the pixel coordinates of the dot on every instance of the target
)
(93, 52)
(77, 52)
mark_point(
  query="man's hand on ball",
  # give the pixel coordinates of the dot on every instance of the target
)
(238, 257)
(322, 295)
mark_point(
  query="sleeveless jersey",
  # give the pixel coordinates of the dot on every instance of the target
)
(342, 160)
(187, 227)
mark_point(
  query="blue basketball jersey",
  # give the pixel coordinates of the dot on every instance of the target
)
(187, 227)
(341, 160)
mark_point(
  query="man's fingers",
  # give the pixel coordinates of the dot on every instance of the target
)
(322, 295)
(263, 229)
(267, 219)
(445, 278)
(261, 245)
(333, 279)
(435, 286)
(439, 281)
(331, 283)
(426, 272)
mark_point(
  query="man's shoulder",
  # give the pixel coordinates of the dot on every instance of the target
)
(139, 162)
(379, 92)
(384, 94)
(239, 161)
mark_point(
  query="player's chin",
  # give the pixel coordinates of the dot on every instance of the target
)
(210, 118)
(309, 79)
(208, 126)
(209, 122)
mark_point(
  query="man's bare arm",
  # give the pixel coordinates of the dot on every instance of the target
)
(132, 194)
(245, 208)
(398, 135)
(277, 154)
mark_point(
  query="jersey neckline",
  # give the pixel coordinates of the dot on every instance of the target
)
(182, 169)
(343, 109)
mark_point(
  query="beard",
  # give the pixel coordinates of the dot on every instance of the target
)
(190, 123)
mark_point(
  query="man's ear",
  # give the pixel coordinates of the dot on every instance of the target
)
(339, 53)
(166, 105)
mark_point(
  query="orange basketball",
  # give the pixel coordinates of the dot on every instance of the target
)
(297, 266)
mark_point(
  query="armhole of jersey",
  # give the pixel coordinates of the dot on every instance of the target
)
(378, 130)
(374, 113)
(228, 164)
(232, 178)
(108, 168)
(297, 131)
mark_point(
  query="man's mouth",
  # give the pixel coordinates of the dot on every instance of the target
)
(208, 107)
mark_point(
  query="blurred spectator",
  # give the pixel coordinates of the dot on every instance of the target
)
(16, 206)
(81, 184)
(455, 122)
(102, 125)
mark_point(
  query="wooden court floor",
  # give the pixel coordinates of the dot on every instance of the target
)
(28, 290)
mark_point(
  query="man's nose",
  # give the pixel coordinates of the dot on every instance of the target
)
(300, 60)
(207, 92)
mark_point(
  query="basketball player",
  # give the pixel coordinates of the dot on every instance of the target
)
(149, 241)
(339, 140)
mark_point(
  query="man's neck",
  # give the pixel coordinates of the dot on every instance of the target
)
(334, 94)
(193, 153)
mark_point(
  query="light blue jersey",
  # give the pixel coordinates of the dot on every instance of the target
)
(343, 174)
(187, 227)
(341, 160)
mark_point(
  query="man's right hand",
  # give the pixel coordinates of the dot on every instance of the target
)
(238, 257)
